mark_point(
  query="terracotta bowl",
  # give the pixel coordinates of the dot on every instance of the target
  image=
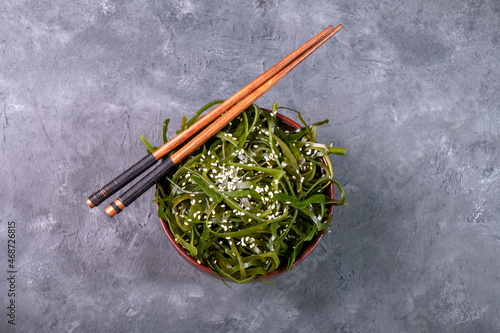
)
(308, 248)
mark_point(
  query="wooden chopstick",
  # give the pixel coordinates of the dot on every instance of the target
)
(171, 162)
(149, 160)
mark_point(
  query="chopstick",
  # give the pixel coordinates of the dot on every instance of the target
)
(149, 160)
(136, 190)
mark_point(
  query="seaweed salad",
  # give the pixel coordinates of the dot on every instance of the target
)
(249, 199)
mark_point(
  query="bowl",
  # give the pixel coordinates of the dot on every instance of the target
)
(311, 245)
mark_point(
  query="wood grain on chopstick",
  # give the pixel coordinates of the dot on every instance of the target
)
(224, 106)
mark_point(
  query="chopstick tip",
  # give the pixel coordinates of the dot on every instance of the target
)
(91, 205)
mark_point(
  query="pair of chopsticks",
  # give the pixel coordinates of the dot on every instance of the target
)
(226, 112)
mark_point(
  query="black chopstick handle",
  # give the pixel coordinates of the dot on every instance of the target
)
(126, 177)
(136, 190)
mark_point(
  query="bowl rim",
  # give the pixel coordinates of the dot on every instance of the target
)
(311, 245)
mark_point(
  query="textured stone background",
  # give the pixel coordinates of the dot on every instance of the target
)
(411, 90)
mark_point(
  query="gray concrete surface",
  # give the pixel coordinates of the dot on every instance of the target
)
(411, 90)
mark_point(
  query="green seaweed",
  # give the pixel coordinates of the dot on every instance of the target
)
(249, 200)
